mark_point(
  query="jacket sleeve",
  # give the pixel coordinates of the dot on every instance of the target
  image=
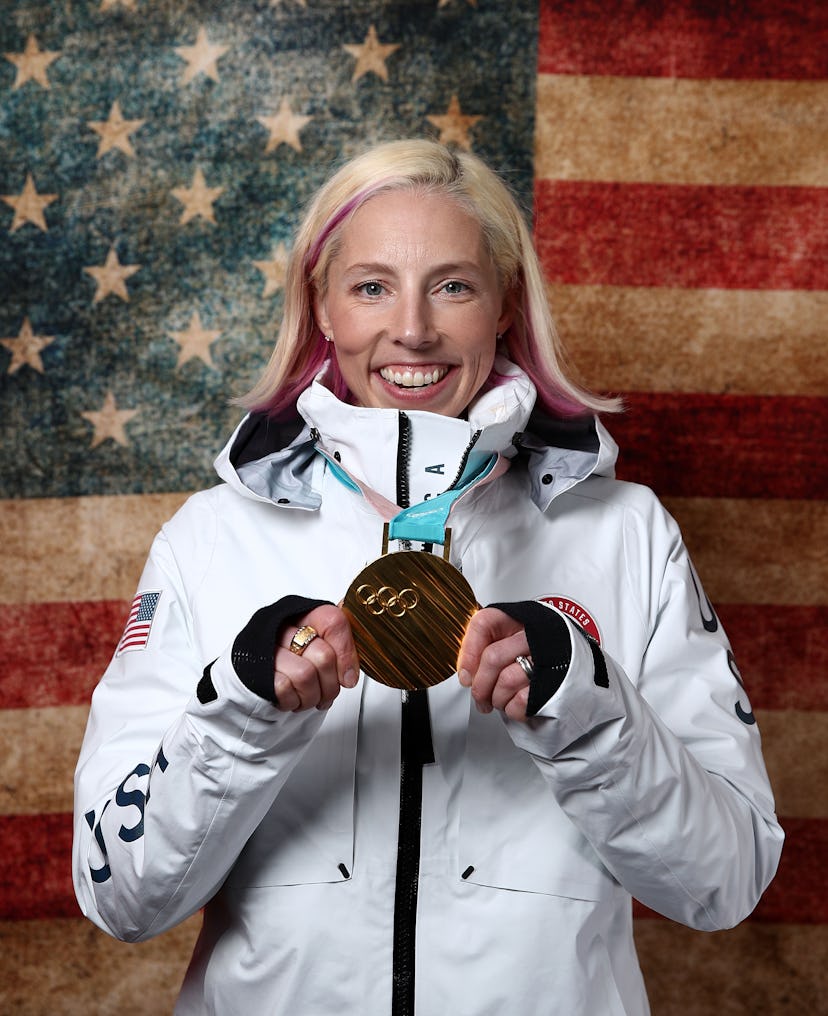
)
(170, 782)
(662, 770)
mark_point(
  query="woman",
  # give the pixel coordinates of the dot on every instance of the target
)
(471, 848)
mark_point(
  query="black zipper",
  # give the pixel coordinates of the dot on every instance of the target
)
(416, 750)
(464, 459)
(403, 467)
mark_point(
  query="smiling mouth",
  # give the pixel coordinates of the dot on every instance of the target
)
(413, 378)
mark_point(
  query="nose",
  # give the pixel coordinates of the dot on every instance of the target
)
(412, 324)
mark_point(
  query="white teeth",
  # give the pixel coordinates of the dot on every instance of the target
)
(413, 379)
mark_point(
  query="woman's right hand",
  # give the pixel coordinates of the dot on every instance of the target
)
(329, 662)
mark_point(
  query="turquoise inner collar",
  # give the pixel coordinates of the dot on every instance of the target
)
(425, 522)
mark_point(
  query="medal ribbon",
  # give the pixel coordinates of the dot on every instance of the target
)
(424, 522)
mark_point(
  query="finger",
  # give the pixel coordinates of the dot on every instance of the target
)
(486, 626)
(328, 661)
(292, 678)
(298, 681)
(511, 682)
(332, 625)
(495, 660)
(321, 655)
(287, 698)
(516, 707)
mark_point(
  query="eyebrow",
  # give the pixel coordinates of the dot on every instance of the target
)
(445, 268)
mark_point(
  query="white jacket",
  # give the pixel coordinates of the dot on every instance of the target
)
(534, 836)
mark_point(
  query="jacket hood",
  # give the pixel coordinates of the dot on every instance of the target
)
(279, 461)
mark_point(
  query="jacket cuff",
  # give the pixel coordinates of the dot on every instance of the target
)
(254, 648)
(550, 646)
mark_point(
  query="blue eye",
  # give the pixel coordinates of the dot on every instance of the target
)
(370, 288)
(455, 288)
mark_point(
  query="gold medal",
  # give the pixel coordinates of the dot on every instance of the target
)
(408, 613)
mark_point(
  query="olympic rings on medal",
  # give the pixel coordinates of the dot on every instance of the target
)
(377, 601)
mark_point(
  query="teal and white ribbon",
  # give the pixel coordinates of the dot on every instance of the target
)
(424, 522)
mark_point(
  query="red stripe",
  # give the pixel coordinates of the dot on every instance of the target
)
(54, 653)
(35, 876)
(684, 39)
(799, 892)
(686, 236)
(688, 445)
(137, 638)
(782, 652)
(36, 867)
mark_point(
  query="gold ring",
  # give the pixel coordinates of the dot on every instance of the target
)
(302, 638)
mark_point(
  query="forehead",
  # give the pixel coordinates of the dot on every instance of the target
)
(411, 224)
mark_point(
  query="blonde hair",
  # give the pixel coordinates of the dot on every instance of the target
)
(531, 340)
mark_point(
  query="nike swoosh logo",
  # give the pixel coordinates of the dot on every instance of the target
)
(746, 716)
(709, 620)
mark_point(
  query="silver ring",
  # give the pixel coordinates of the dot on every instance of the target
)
(526, 665)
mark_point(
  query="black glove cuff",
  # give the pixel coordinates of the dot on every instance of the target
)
(549, 646)
(254, 649)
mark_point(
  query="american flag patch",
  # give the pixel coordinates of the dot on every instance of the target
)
(139, 622)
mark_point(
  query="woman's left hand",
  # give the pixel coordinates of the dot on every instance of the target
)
(487, 663)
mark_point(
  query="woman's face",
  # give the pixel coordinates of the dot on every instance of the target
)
(413, 304)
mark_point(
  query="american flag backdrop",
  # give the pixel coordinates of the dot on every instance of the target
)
(154, 155)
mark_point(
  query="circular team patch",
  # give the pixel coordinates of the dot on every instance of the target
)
(578, 614)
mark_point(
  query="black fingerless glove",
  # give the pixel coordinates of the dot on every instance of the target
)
(254, 648)
(551, 650)
(549, 646)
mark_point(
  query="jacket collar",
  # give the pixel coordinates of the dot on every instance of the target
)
(277, 461)
(561, 453)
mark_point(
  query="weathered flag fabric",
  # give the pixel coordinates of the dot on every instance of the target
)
(681, 201)
(155, 156)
